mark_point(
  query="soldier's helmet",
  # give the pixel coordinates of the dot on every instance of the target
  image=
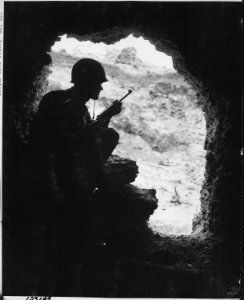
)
(87, 69)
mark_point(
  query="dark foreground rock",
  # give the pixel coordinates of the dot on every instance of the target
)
(122, 214)
(77, 250)
(121, 170)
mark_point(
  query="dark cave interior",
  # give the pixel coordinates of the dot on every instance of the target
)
(204, 40)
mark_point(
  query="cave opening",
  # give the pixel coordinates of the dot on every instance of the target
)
(162, 126)
(204, 42)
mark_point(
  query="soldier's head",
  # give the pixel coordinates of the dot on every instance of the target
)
(87, 75)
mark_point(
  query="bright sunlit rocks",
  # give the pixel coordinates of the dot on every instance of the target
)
(162, 125)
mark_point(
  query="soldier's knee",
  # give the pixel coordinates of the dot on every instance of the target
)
(110, 139)
(113, 135)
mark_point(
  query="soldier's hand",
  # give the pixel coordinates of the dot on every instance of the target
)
(117, 107)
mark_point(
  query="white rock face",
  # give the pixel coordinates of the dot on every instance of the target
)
(162, 127)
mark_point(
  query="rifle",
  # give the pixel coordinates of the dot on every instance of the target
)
(108, 113)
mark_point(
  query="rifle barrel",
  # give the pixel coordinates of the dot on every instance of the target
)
(111, 105)
(129, 92)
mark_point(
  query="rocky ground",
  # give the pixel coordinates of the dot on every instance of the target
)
(162, 128)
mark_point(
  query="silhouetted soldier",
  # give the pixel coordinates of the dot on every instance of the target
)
(63, 120)
(68, 154)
